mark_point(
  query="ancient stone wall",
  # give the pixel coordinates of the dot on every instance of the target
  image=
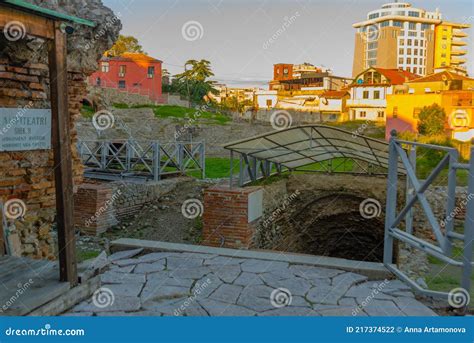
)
(99, 206)
(28, 176)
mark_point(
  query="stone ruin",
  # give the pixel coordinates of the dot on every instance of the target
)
(24, 83)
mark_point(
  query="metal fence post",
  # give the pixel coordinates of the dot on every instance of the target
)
(231, 168)
(410, 191)
(391, 204)
(203, 159)
(450, 201)
(468, 229)
(156, 161)
(103, 155)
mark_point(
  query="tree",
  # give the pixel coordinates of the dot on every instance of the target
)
(431, 120)
(193, 82)
(124, 44)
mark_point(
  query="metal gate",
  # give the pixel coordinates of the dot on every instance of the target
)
(442, 249)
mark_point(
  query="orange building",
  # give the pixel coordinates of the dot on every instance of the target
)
(452, 91)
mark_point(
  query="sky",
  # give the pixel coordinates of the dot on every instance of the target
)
(244, 38)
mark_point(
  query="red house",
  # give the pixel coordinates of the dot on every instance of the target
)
(132, 72)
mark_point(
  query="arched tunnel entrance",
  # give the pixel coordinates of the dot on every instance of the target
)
(335, 225)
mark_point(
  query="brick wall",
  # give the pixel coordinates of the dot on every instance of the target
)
(29, 175)
(99, 206)
(225, 218)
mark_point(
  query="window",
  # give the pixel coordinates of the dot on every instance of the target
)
(362, 114)
(408, 60)
(413, 14)
(121, 84)
(416, 112)
(414, 70)
(400, 60)
(105, 67)
(376, 94)
(98, 81)
(385, 23)
(395, 112)
(401, 42)
(151, 72)
(122, 70)
(415, 60)
(365, 94)
(409, 42)
(400, 51)
(397, 23)
(372, 45)
(380, 114)
(409, 51)
(285, 71)
(373, 16)
(416, 42)
(412, 26)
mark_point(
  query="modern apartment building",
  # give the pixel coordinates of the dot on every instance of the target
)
(399, 36)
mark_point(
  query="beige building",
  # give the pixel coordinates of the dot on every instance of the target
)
(399, 36)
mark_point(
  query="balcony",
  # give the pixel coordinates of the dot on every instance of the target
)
(455, 60)
(459, 33)
(456, 52)
(458, 42)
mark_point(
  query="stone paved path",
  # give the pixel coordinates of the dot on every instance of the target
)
(193, 284)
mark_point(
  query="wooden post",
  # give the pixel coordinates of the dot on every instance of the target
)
(61, 142)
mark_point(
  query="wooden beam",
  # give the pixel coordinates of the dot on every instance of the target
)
(61, 142)
(33, 25)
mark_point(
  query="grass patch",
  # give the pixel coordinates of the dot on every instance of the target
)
(83, 255)
(183, 113)
(87, 111)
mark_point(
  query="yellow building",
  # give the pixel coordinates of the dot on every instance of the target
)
(449, 45)
(450, 90)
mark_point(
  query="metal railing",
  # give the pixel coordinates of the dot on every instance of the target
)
(443, 231)
(141, 160)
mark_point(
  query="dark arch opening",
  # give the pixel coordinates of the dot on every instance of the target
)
(333, 225)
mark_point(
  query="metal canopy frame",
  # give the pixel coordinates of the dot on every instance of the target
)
(330, 149)
(140, 160)
(442, 249)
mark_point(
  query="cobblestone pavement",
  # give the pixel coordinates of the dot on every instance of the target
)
(194, 284)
